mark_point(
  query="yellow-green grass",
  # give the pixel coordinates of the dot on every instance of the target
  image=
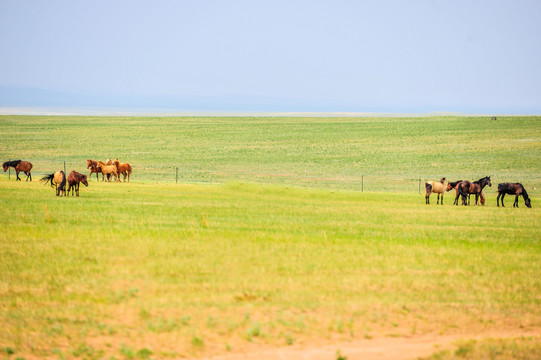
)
(146, 270)
(332, 153)
(524, 348)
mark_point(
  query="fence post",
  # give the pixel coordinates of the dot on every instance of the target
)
(362, 183)
(9, 171)
(176, 176)
(419, 185)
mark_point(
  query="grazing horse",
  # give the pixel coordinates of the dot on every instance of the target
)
(107, 170)
(476, 187)
(513, 189)
(74, 178)
(123, 168)
(435, 187)
(93, 166)
(58, 179)
(19, 166)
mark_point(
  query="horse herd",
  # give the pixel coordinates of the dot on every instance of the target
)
(465, 188)
(58, 179)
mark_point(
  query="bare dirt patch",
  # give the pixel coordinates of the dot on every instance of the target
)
(374, 349)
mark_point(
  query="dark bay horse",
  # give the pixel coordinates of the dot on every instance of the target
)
(453, 185)
(476, 187)
(513, 189)
(19, 166)
(57, 179)
(74, 180)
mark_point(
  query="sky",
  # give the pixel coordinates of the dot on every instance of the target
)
(343, 56)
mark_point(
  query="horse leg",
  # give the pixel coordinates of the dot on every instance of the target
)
(17, 173)
(515, 204)
(498, 200)
(77, 188)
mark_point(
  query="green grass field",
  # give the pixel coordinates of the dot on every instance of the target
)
(229, 260)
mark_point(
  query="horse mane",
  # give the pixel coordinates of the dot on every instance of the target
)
(524, 193)
(11, 163)
(453, 184)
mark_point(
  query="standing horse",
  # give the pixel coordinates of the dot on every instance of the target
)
(123, 168)
(108, 170)
(435, 187)
(453, 185)
(93, 166)
(58, 179)
(513, 189)
(19, 166)
(476, 187)
(74, 178)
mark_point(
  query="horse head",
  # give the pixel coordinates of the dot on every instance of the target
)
(488, 179)
(442, 180)
(84, 180)
(5, 166)
(528, 202)
(89, 163)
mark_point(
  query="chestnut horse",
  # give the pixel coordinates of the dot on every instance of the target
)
(435, 187)
(74, 178)
(93, 166)
(476, 187)
(123, 168)
(513, 189)
(107, 170)
(19, 166)
(58, 180)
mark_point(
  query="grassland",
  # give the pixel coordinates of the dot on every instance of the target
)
(224, 261)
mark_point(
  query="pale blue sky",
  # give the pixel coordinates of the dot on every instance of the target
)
(390, 56)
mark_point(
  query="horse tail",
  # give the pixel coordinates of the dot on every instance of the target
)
(428, 189)
(48, 178)
(62, 185)
(482, 197)
(129, 168)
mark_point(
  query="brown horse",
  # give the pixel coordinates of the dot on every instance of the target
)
(19, 166)
(123, 168)
(476, 187)
(58, 180)
(513, 189)
(93, 166)
(453, 185)
(108, 170)
(74, 178)
(435, 187)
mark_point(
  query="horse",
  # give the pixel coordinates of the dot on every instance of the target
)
(19, 166)
(74, 178)
(108, 169)
(435, 187)
(123, 168)
(513, 189)
(476, 187)
(93, 166)
(58, 179)
(453, 185)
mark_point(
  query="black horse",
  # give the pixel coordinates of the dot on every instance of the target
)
(513, 189)
(464, 188)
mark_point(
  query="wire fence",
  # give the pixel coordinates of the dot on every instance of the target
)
(193, 174)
